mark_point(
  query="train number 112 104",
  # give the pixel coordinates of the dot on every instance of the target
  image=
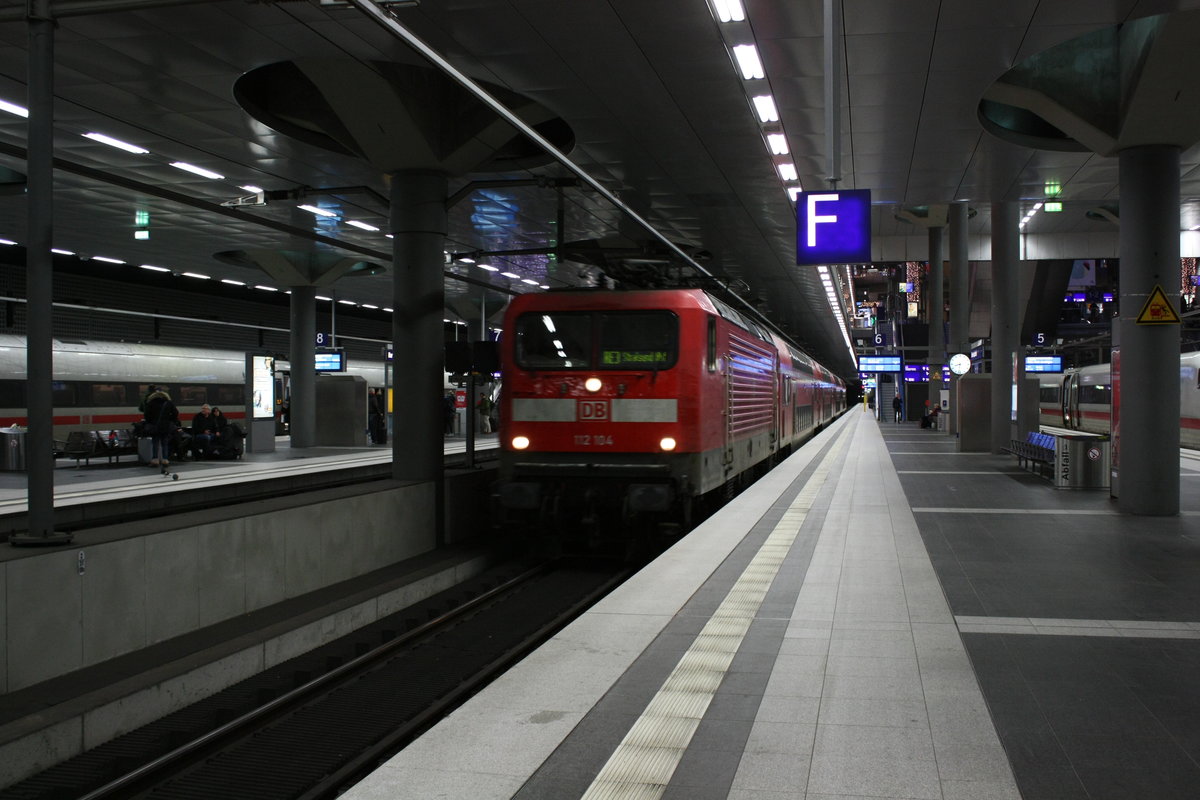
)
(590, 440)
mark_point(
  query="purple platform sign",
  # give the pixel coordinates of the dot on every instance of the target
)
(833, 227)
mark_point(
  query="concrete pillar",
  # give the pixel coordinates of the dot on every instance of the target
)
(1005, 262)
(39, 342)
(418, 222)
(302, 409)
(1149, 249)
(960, 310)
(937, 329)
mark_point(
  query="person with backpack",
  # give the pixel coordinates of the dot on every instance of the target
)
(162, 418)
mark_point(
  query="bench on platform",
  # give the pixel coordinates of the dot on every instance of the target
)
(111, 444)
(1036, 448)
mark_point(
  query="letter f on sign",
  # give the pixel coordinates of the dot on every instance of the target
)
(814, 218)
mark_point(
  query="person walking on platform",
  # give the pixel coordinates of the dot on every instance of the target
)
(484, 407)
(897, 407)
(377, 421)
(162, 419)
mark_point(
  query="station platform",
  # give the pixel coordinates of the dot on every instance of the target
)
(77, 484)
(880, 616)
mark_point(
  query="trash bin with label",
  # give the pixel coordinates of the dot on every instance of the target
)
(12, 442)
(1081, 461)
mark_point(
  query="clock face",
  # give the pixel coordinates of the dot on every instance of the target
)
(960, 363)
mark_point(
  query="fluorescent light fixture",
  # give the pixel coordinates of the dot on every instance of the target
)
(251, 188)
(201, 171)
(107, 260)
(764, 104)
(265, 288)
(530, 281)
(326, 299)
(368, 305)
(362, 225)
(793, 193)
(748, 61)
(13, 108)
(199, 275)
(1052, 207)
(510, 275)
(778, 144)
(320, 212)
(7, 241)
(543, 286)
(390, 235)
(466, 260)
(232, 282)
(385, 308)
(151, 267)
(62, 252)
(141, 235)
(117, 143)
(348, 302)
(729, 10)
(488, 267)
(788, 172)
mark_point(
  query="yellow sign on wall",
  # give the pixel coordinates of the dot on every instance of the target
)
(1158, 310)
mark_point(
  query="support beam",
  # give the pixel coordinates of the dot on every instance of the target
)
(1005, 262)
(1149, 421)
(39, 277)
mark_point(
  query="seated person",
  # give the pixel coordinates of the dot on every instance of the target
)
(204, 430)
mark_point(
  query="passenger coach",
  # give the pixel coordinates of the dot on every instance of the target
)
(644, 402)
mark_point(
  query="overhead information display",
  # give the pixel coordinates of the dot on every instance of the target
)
(879, 364)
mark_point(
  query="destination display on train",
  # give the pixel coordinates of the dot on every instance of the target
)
(641, 358)
(833, 227)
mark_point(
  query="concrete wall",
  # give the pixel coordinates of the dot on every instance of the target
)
(71, 608)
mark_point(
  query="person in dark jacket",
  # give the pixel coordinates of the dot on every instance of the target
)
(204, 431)
(162, 418)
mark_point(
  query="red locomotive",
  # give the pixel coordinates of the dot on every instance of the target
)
(645, 402)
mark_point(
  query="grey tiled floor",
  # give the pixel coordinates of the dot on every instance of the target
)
(1082, 625)
(851, 679)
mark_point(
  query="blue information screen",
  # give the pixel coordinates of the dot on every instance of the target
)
(920, 373)
(879, 363)
(833, 227)
(1043, 363)
(330, 360)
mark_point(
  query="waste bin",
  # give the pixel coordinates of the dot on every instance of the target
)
(1081, 461)
(12, 457)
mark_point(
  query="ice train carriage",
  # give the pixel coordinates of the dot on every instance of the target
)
(643, 401)
(98, 385)
(1081, 399)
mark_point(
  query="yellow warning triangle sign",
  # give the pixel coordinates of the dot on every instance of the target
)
(1158, 310)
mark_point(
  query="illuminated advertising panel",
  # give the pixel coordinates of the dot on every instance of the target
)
(833, 227)
(262, 383)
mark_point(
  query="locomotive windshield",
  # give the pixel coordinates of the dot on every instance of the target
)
(605, 340)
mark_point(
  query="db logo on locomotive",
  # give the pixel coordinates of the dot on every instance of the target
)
(592, 410)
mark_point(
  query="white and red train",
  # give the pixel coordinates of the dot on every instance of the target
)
(645, 402)
(98, 385)
(1082, 399)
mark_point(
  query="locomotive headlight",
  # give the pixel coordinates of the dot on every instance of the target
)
(520, 442)
(667, 443)
(592, 384)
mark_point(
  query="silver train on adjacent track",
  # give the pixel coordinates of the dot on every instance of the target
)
(98, 385)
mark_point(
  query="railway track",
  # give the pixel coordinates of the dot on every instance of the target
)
(315, 724)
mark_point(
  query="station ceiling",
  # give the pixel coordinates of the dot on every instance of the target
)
(657, 113)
